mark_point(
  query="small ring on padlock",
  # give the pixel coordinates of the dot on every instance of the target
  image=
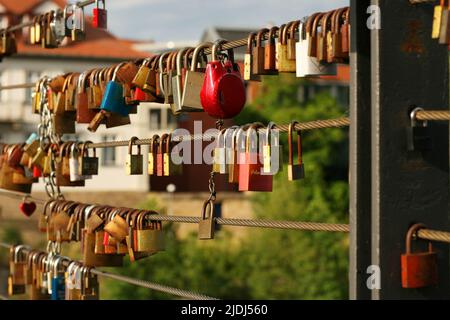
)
(217, 46)
(413, 117)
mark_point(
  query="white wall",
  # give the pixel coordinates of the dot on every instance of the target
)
(13, 110)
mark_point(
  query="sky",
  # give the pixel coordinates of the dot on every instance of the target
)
(185, 20)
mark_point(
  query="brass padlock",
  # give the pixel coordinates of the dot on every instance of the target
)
(295, 171)
(135, 162)
(207, 223)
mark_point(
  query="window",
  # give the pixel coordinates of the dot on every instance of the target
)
(171, 120)
(32, 77)
(108, 154)
(155, 119)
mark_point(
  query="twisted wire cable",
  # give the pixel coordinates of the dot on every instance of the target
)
(137, 282)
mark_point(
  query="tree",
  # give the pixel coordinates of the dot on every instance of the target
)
(270, 264)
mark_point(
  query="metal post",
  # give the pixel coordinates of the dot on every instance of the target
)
(360, 159)
(408, 68)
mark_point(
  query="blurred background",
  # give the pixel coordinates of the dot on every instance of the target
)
(240, 263)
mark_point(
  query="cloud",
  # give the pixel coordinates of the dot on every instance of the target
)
(175, 20)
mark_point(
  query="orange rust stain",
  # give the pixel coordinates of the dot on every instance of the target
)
(413, 42)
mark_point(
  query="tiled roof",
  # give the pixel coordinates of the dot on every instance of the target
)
(20, 7)
(99, 44)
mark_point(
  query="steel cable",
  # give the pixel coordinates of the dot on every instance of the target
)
(305, 126)
(253, 223)
(439, 115)
(434, 235)
(137, 282)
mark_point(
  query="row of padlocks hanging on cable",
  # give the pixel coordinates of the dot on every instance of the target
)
(106, 233)
(250, 155)
(190, 82)
(52, 29)
(48, 276)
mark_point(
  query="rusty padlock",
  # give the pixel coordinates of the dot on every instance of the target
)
(418, 269)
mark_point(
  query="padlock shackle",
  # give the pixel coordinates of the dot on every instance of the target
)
(269, 129)
(187, 54)
(295, 25)
(208, 204)
(312, 28)
(250, 42)
(259, 36)
(220, 138)
(325, 23)
(196, 54)
(130, 145)
(253, 129)
(181, 55)
(411, 233)
(227, 134)
(162, 141)
(272, 32)
(216, 47)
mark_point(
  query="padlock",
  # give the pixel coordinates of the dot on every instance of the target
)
(345, 32)
(149, 234)
(307, 65)
(88, 164)
(134, 163)
(207, 223)
(171, 167)
(113, 102)
(58, 286)
(90, 289)
(258, 54)
(437, 18)
(418, 137)
(100, 16)
(78, 23)
(164, 66)
(272, 150)
(194, 82)
(270, 56)
(177, 88)
(295, 171)
(284, 63)
(248, 59)
(74, 164)
(160, 155)
(250, 167)
(444, 33)
(292, 39)
(58, 26)
(84, 113)
(142, 74)
(219, 164)
(152, 154)
(419, 270)
(322, 43)
(233, 157)
(223, 93)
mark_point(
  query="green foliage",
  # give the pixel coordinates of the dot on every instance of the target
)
(269, 264)
(9, 235)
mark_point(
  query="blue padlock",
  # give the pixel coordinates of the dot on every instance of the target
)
(113, 99)
(58, 286)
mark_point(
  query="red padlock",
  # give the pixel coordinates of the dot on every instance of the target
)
(418, 269)
(223, 93)
(250, 166)
(37, 172)
(139, 95)
(100, 16)
(160, 155)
